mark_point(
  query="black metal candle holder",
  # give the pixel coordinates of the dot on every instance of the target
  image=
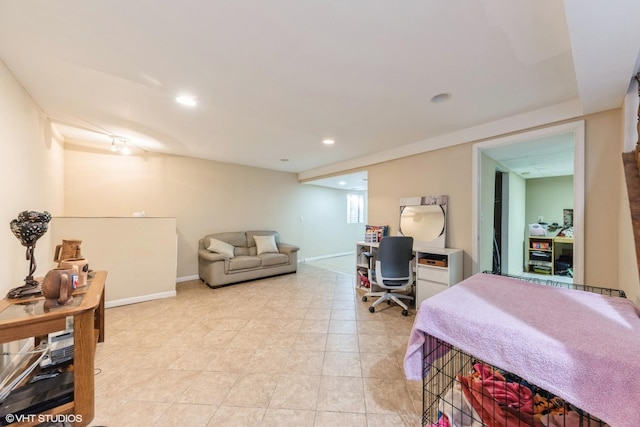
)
(28, 228)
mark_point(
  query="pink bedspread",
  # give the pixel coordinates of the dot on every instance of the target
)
(578, 345)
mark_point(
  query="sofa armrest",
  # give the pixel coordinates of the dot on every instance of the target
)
(286, 248)
(211, 256)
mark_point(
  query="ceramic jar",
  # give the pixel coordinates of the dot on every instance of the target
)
(81, 265)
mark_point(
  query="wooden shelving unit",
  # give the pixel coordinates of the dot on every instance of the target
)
(23, 319)
(364, 265)
(543, 252)
(540, 255)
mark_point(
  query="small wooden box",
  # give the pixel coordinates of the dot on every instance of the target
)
(436, 262)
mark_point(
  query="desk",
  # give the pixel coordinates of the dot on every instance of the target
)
(544, 251)
(26, 318)
(436, 269)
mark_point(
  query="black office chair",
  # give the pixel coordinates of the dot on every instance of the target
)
(394, 270)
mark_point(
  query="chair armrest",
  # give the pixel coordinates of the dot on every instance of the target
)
(211, 256)
(286, 248)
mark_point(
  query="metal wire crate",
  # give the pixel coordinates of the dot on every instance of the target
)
(548, 282)
(456, 387)
(469, 392)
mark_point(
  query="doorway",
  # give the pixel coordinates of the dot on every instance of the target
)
(500, 222)
(484, 173)
(330, 225)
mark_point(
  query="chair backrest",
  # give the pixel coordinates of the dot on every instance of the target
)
(394, 255)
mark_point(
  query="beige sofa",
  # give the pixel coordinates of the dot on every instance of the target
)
(232, 257)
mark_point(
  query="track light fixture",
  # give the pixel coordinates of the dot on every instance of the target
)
(120, 144)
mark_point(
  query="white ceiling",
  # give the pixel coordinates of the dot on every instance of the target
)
(539, 158)
(356, 181)
(274, 78)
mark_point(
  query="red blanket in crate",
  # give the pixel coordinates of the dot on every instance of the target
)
(578, 345)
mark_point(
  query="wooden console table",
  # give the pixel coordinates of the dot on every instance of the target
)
(26, 318)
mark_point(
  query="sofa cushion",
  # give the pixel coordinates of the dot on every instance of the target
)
(251, 242)
(221, 247)
(243, 262)
(273, 259)
(242, 250)
(235, 238)
(266, 244)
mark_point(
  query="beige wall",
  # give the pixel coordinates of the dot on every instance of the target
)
(448, 171)
(548, 197)
(139, 254)
(31, 176)
(207, 197)
(603, 148)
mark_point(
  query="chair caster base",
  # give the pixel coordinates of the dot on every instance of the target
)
(405, 312)
(372, 309)
(364, 298)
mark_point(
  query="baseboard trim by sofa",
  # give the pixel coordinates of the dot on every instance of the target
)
(187, 278)
(141, 298)
(316, 258)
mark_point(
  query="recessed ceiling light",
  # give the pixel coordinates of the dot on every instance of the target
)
(342, 183)
(188, 100)
(328, 142)
(441, 97)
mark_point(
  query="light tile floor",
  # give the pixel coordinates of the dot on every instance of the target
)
(339, 264)
(294, 350)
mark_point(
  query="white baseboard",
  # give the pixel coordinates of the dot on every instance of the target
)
(187, 278)
(316, 258)
(141, 298)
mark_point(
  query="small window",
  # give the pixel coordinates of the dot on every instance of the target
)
(355, 208)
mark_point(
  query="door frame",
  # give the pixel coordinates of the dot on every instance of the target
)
(575, 127)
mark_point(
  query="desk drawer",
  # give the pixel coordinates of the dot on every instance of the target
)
(433, 274)
(426, 289)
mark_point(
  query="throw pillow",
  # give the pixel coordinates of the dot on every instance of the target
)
(266, 244)
(220, 247)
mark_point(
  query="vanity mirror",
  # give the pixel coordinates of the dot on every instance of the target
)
(424, 219)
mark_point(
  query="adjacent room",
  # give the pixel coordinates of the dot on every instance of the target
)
(319, 213)
(533, 199)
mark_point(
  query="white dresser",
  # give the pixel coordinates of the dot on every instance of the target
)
(436, 270)
(436, 267)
